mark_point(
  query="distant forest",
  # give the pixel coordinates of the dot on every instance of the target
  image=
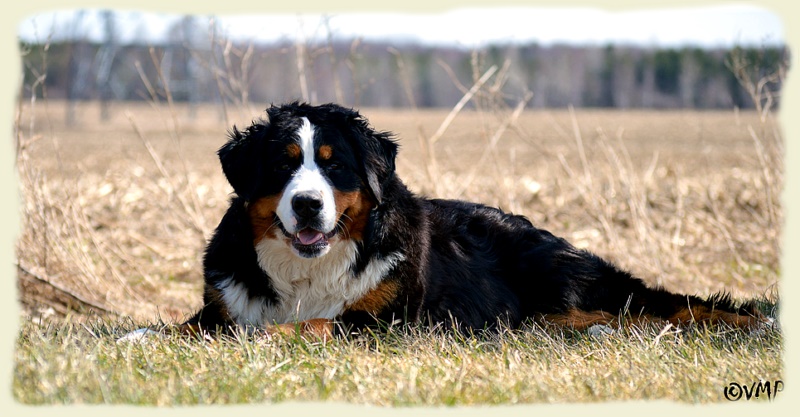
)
(193, 66)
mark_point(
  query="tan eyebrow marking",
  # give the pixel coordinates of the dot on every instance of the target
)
(293, 150)
(325, 152)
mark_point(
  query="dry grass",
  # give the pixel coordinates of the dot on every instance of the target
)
(116, 213)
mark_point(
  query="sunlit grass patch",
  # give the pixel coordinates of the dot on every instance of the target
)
(83, 363)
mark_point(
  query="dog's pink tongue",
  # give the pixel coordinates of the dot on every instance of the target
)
(309, 236)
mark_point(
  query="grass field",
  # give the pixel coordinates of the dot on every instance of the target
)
(116, 213)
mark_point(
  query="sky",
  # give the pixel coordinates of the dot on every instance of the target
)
(708, 26)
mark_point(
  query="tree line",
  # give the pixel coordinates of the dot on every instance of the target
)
(382, 74)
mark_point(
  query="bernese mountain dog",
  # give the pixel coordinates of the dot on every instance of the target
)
(322, 238)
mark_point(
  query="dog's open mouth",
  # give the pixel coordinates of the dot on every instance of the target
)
(308, 242)
(311, 242)
(309, 237)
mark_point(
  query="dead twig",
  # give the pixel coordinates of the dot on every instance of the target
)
(47, 281)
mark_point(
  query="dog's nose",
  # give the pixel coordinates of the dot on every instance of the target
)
(307, 204)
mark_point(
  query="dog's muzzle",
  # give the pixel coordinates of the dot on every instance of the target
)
(310, 240)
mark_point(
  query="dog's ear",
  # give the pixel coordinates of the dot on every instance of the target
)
(239, 159)
(379, 151)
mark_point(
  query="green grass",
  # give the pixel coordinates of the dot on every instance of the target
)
(73, 363)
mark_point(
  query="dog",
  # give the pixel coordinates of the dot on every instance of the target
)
(323, 239)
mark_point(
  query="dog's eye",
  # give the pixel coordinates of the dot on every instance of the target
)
(332, 166)
(283, 168)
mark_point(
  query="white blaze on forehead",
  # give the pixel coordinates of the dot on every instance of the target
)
(308, 177)
(306, 137)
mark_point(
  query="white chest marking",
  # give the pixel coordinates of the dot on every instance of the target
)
(307, 288)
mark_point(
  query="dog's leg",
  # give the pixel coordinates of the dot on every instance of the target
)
(615, 291)
(578, 319)
(699, 313)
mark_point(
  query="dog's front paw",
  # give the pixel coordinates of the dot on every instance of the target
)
(321, 329)
(139, 336)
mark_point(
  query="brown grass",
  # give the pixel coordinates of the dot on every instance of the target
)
(115, 213)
